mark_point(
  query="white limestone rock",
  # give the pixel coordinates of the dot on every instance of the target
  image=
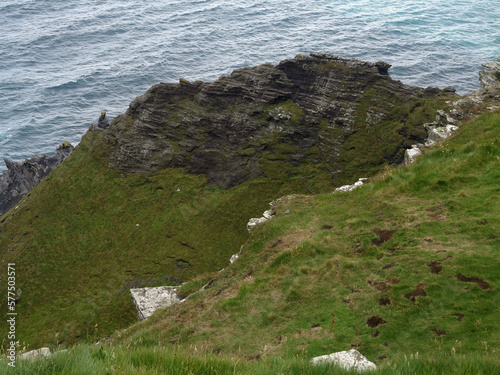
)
(267, 215)
(348, 360)
(438, 133)
(411, 154)
(357, 184)
(148, 300)
(234, 257)
(42, 352)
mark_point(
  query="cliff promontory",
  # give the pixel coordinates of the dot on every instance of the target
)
(330, 113)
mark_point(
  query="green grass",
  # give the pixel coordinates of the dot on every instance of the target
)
(102, 232)
(92, 360)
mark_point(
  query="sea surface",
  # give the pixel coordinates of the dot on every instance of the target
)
(63, 61)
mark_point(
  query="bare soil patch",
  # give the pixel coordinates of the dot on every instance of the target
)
(375, 321)
(480, 283)
(459, 316)
(438, 331)
(419, 292)
(384, 301)
(384, 235)
(435, 265)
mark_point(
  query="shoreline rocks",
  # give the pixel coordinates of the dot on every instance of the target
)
(20, 178)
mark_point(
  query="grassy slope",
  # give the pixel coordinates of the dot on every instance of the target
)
(78, 253)
(414, 253)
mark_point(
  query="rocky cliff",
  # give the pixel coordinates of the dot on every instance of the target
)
(328, 113)
(20, 178)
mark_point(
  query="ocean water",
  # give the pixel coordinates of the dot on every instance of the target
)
(63, 61)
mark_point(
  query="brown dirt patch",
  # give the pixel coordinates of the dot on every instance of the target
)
(438, 331)
(480, 283)
(379, 285)
(376, 334)
(435, 265)
(326, 227)
(384, 235)
(384, 301)
(459, 316)
(375, 321)
(419, 292)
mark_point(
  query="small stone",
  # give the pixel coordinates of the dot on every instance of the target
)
(357, 184)
(234, 258)
(348, 360)
(287, 212)
(42, 352)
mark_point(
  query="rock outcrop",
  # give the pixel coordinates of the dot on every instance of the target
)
(460, 109)
(321, 111)
(490, 77)
(42, 352)
(20, 178)
(103, 122)
(357, 184)
(148, 300)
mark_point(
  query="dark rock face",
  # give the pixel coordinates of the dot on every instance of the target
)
(20, 178)
(268, 121)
